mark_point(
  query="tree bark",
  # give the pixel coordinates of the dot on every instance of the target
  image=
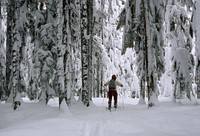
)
(146, 49)
(9, 43)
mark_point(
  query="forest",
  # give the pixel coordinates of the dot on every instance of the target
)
(70, 48)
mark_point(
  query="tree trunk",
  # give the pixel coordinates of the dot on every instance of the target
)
(198, 79)
(17, 41)
(1, 56)
(98, 76)
(90, 44)
(86, 50)
(146, 50)
(32, 87)
(9, 44)
(84, 53)
(61, 54)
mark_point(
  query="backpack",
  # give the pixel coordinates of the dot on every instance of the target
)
(112, 84)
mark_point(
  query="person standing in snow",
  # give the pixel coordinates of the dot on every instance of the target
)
(112, 84)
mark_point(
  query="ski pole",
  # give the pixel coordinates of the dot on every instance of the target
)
(103, 97)
(122, 99)
(103, 101)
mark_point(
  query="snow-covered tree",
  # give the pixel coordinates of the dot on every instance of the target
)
(154, 31)
(43, 55)
(109, 42)
(196, 20)
(61, 49)
(179, 37)
(74, 49)
(143, 30)
(67, 30)
(130, 18)
(9, 44)
(2, 50)
(18, 37)
(99, 17)
(86, 49)
(32, 81)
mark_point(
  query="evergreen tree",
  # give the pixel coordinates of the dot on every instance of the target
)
(46, 36)
(86, 49)
(9, 44)
(31, 48)
(2, 53)
(143, 21)
(18, 33)
(17, 39)
(196, 29)
(98, 28)
(72, 45)
(69, 41)
(74, 49)
(179, 38)
(84, 52)
(61, 51)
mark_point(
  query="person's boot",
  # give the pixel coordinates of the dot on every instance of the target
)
(109, 105)
(115, 105)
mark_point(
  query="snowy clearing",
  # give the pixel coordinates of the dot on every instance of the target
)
(36, 119)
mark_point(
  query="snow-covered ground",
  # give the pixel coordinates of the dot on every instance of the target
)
(36, 119)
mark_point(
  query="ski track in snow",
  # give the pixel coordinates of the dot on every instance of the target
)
(129, 120)
(95, 129)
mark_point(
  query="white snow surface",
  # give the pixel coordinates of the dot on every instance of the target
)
(130, 119)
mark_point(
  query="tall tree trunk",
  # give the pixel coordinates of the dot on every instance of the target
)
(197, 79)
(142, 91)
(90, 44)
(146, 49)
(98, 76)
(9, 44)
(33, 82)
(69, 52)
(197, 49)
(16, 82)
(61, 53)
(1, 55)
(85, 52)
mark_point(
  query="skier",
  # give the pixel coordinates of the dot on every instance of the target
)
(112, 84)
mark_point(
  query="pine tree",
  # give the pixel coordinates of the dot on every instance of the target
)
(144, 31)
(179, 37)
(155, 49)
(98, 30)
(31, 48)
(90, 44)
(46, 34)
(197, 47)
(68, 41)
(36, 21)
(18, 40)
(9, 44)
(75, 49)
(84, 53)
(61, 51)
(65, 52)
(86, 49)
(15, 81)
(133, 36)
(2, 54)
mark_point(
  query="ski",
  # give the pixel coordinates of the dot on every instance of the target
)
(111, 109)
